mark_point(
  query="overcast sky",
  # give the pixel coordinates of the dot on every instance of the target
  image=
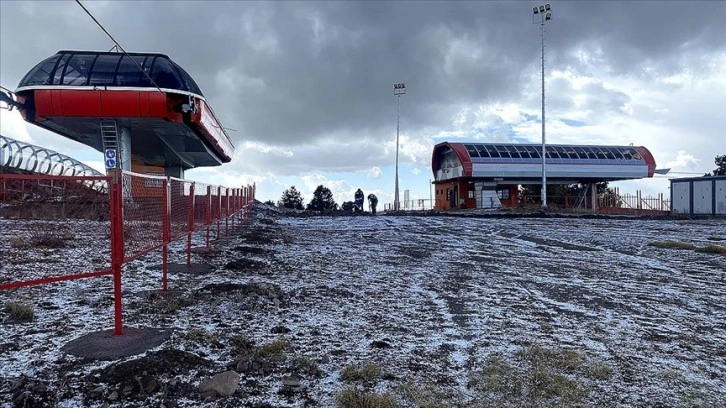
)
(308, 86)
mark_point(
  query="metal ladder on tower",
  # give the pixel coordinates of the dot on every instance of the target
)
(109, 134)
(110, 140)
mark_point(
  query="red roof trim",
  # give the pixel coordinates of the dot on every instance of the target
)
(648, 158)
(461, 153)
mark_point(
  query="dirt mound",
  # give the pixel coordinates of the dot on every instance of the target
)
(151, 375)
(244, 264)
(261, 235)
(171, 362)
(259, 288)
(26, 392)
(225, 287)
(251, 250)
(251, 296)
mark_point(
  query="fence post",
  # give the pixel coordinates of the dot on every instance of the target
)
(235, 198)
(245, 191)
(166, 233)
(252, 202)
(219, 209)
(639, 198)
(237, 202)
(190, 224)
(247, 203)
(209, 212)
(226, 215)
(248, 211)
(117, 246)
(230, 207)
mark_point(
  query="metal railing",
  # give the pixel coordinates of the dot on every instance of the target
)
(635, 201)
(17, 156)
(97, 231)
(411, 205)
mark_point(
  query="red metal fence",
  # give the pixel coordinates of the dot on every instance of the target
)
(57, 228)
(46, 223)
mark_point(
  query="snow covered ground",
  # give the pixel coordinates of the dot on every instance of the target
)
(437, 304)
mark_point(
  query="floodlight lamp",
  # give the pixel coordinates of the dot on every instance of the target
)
(541, 9)
(548, 16)
(535, 10)
(403, 85)
(547, 7)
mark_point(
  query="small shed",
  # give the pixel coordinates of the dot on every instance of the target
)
(699, 195)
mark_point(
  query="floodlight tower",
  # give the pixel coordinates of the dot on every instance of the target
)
(398, 90)
(544, 12)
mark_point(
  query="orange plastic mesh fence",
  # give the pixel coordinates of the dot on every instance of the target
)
(202, 205)
(144, 209)
(181, 206)
(216, 203)
(52, 228)
(58, 228)
(192, 206)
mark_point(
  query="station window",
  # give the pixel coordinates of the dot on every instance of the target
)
(129, 73)
(503, 194)
(503, 152)
(533, 152)
(58, 74)
(165, 76)
(472, 150)
(104, 70)
(76, 71)
(471, 194)
(483, 152)
(40, 75)
(551, 152)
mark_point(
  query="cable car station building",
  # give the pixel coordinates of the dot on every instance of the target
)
(142, 105)
(488, 175)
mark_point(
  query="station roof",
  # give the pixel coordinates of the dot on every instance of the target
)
(516, 162)
(531, 151)
(702, 178)
(110, 69)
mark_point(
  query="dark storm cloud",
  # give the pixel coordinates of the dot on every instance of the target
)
(331, 69)
(290, 73)
(633, 33)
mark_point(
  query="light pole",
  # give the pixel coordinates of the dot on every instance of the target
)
(398, 90)
(545, 14)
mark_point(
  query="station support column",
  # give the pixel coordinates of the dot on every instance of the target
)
(124, 145)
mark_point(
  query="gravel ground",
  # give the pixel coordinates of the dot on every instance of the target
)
(400, 310)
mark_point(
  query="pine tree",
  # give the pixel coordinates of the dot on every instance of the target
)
(322, 200)
(720, 165)
(291, 198)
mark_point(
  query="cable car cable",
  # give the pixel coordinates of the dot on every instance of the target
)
(118, 45)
